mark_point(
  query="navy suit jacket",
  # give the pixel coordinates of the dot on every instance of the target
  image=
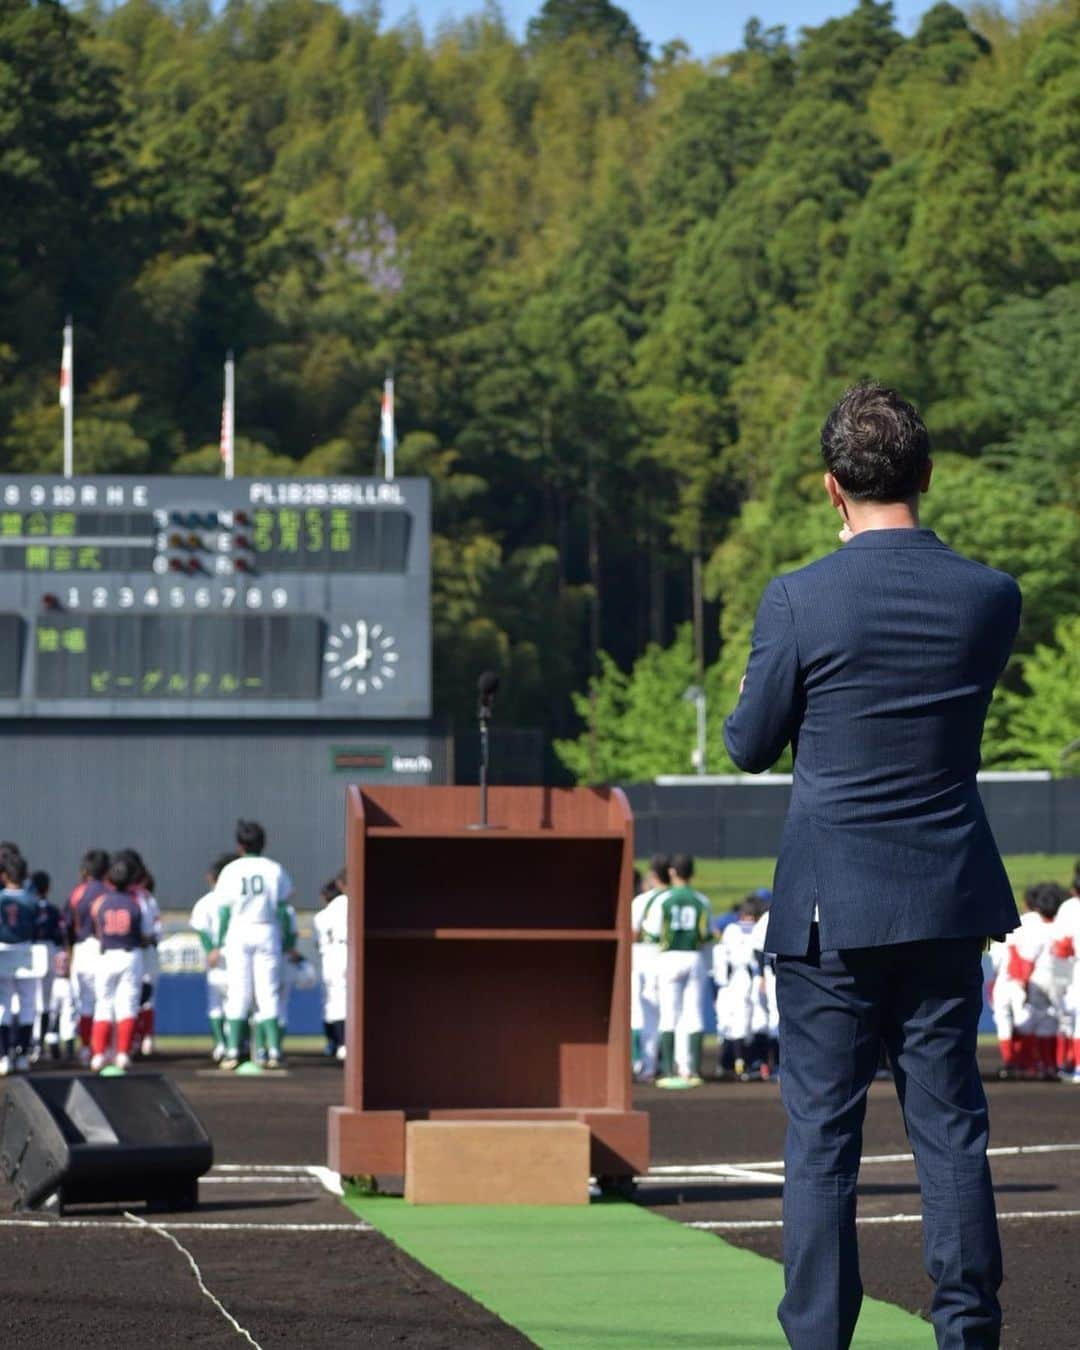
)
(877, 664)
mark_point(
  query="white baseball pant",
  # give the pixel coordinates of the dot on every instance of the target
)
(253, 967)
(681, 980)
(118, 982)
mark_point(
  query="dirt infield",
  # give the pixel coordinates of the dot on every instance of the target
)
(290, 1264)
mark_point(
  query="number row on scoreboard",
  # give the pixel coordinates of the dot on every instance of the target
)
(154, 597)
(164, 656)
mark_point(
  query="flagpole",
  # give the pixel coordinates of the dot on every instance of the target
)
(228, 418)
(67, 396)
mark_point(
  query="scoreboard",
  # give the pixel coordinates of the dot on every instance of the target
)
(202, 597)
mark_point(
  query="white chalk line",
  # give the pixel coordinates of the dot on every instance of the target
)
(740, 1225)
(60, 1225)
(164, 1232)
(683, 1171)
(304, 1179)
(277, 1173)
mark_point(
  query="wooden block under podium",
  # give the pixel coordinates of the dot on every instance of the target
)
(486, 1162)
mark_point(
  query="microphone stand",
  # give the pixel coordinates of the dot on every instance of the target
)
(484, 715)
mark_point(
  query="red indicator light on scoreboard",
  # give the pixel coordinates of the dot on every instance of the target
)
(241, 541)
(240, 517)
(195, 566)
(242, 565)
(177, 565)
(51, 601)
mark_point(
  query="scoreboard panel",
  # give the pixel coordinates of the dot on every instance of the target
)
(174, 596)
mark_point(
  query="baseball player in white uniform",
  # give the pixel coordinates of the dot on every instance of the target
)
(331, 925)
(644, 991)
(252, 892)
(205, 920)
(685, 936)
(1067, 952)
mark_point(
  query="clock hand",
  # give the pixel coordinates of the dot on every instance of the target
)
(363, 649)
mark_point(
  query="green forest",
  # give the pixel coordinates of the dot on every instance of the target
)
(619, 289)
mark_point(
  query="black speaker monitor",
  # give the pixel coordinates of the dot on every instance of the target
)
(89, 1140)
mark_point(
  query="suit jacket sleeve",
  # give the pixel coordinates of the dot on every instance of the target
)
(767, 715)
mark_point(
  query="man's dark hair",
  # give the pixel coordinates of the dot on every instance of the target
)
(660, 866)
(875, 445)
(250, 836)
(13, 865)
(123, 871)
(41, 882)
(95, 863)
(683, 866)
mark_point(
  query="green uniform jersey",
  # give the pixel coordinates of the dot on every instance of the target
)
(685, 915)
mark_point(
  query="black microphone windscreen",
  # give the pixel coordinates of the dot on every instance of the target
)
(488, 683)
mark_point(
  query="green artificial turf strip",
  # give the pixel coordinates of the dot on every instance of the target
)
(611, 1275)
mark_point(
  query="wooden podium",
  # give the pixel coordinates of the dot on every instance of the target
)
(489, 970)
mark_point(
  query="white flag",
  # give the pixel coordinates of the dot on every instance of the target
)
(66, 363)
(387, 434)
(228, 437)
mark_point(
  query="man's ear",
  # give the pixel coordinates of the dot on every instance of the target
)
(832, 487)
(924, 483)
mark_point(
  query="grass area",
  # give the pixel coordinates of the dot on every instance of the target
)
(611, 1274)
(726, 880)
(201, 1045)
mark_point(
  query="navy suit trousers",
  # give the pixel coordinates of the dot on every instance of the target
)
(923, 999)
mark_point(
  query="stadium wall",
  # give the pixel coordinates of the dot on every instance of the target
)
(175, 790)
(743, 819)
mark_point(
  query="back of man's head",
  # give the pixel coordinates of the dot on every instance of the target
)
(660, 867)
(95, 863)
(682, 866)
(250, 836)
(876, 445)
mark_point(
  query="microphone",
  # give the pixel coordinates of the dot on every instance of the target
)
(487, 686)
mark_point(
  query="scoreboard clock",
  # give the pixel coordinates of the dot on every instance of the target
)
(183, 596)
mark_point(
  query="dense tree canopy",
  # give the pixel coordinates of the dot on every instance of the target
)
(619, 290)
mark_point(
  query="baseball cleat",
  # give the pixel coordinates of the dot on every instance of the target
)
(341, 1053)
(218, 1053)
(229, 1063)
(274, 1062)
(98, 1062)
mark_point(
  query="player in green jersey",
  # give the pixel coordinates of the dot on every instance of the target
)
(685, 935)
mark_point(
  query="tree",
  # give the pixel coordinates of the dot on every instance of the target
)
(1043, 721)
(599, 21)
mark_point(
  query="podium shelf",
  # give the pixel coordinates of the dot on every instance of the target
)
(494, 934)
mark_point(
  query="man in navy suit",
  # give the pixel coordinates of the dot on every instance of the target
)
(877, 664)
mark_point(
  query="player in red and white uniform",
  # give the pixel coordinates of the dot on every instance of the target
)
(152, 932)
(1067, 952)
(118, 927)
(84, 945)
(1025, 993)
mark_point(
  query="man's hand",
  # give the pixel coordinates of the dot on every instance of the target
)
(213, 957)
(294, 956)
